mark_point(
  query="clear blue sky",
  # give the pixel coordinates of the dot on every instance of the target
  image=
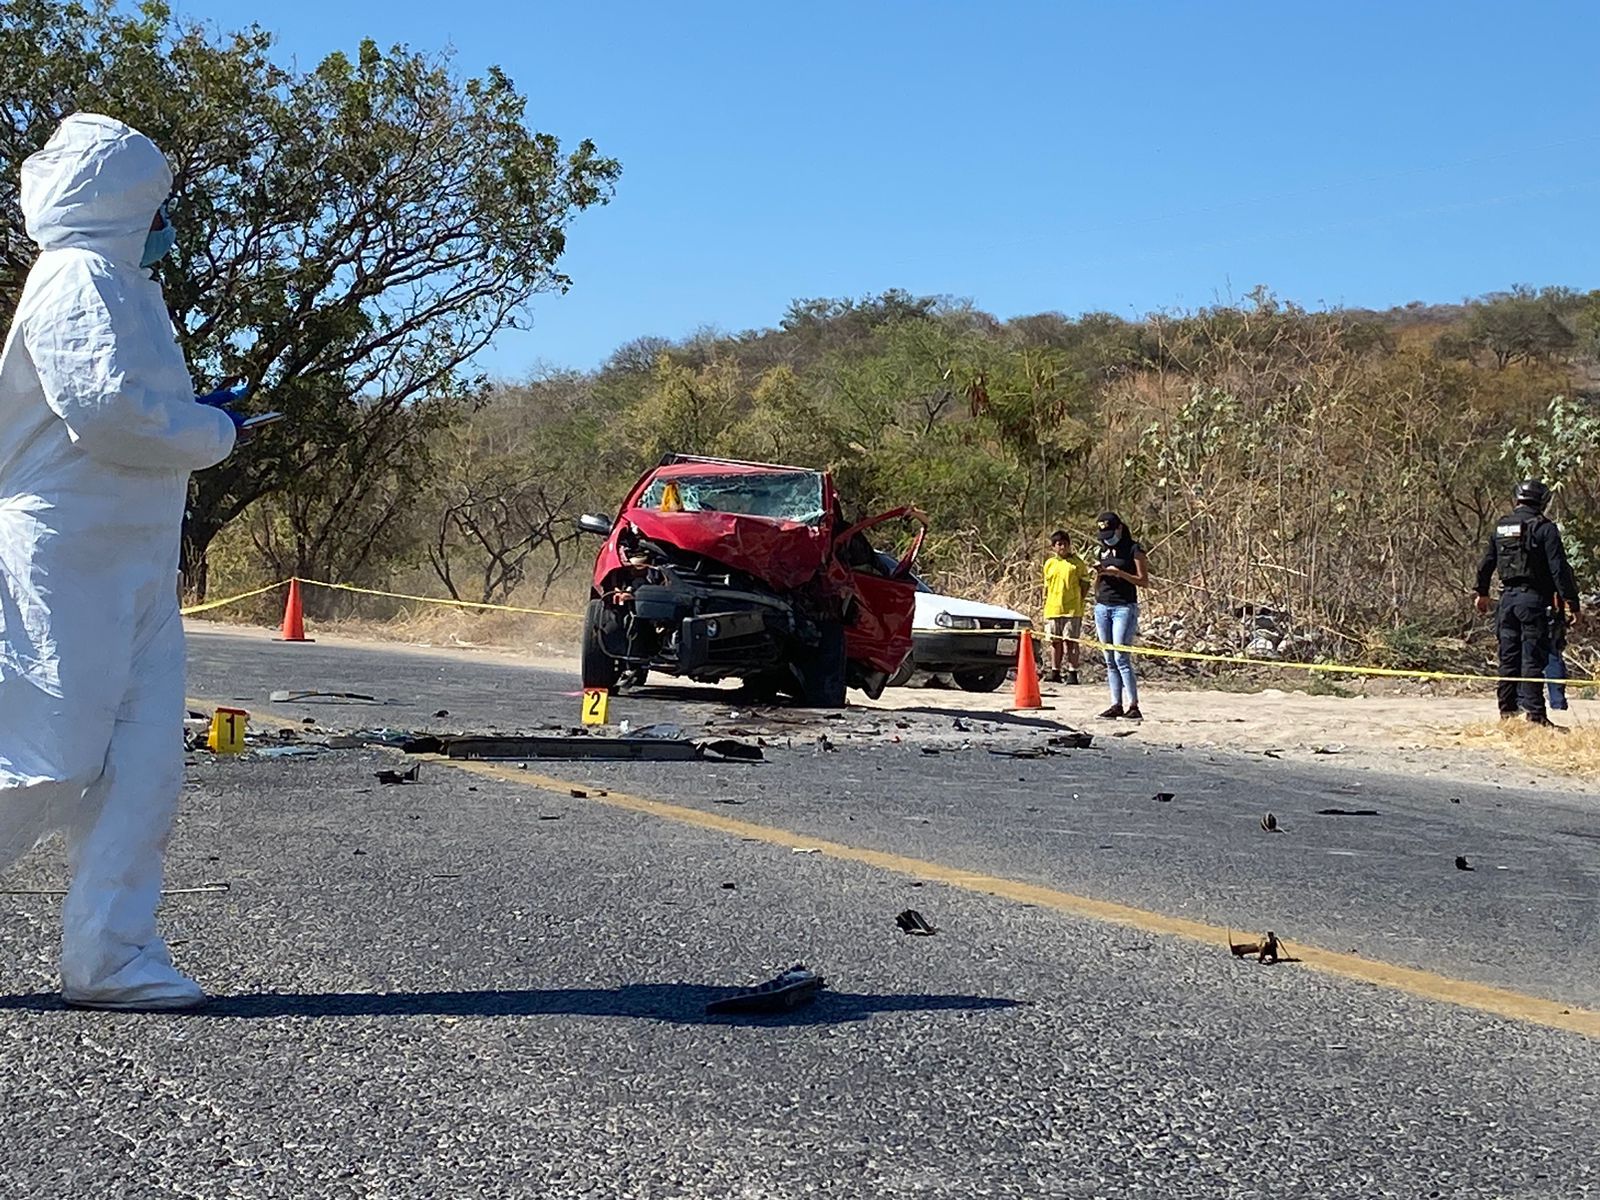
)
(1029, 156)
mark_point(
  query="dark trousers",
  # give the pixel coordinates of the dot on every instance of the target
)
(1524, 630)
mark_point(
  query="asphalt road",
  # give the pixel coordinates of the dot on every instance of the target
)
(472, 986)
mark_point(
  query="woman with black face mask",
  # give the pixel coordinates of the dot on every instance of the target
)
(1119, 574)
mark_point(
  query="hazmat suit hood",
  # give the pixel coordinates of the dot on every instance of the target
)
(95, 186)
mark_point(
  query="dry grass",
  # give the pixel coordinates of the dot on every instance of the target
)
(1576, 752)
(455, 627)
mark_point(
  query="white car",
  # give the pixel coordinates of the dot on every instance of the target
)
(974, 643)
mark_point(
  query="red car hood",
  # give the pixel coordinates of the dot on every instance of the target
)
(784, 554)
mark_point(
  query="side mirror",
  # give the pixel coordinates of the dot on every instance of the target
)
(594, 523)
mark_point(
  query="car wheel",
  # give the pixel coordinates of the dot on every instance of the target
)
(599, 668)
(822, 673)
(980, 681)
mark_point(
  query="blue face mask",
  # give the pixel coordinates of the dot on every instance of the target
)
(158, 243)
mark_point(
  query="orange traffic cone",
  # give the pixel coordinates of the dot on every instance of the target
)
(294, 623)
(1027, 693)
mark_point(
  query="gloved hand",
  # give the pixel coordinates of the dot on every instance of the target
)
(224, 396)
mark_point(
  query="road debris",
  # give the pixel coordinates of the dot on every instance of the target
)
(576, 746)
(1164, 797)
(1462, 864)
(807, 850)
(289, 696)
(913, 922)
(285, 751)
(396, 777)
(1270, 824)
(1267, 950)
(1073, 739)
(1348, 812)
(443, 712)
(202, 889)
(1328, 747)
(794, 987)
(661, 729)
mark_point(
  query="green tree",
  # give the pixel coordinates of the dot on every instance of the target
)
(1523, 326)
(348, 237)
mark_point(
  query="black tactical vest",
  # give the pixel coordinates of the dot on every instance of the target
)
(1513, 549)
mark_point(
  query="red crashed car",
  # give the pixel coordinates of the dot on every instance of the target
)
(717, 569)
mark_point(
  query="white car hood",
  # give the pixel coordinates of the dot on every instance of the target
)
(931, 604)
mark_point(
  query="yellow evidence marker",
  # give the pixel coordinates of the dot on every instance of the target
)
(596, 703)
(227, 730)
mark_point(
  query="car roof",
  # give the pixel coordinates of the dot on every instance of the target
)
(714, 467)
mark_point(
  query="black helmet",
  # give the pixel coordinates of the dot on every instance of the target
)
(1532, 493)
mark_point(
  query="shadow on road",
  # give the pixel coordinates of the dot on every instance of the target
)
(678, 1003)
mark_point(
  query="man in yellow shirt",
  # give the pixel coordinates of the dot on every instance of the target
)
(1066, 588)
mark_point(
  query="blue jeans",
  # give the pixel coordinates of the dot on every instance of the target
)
(1555, 671)
(1119, 624)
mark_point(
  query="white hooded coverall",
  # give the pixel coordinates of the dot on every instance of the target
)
(99, 431)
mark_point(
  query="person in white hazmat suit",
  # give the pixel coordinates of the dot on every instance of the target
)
(99, 430)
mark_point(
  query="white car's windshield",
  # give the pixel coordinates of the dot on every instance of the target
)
(780, 495)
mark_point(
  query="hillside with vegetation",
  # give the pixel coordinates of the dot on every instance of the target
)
(1337, 470)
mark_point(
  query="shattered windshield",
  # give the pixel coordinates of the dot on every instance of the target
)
(779, 495)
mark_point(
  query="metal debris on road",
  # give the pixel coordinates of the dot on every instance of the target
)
(202, 889)
(1270, 824)
(794, 987)
(913, 922)
(285, 751)
(395, 777)
(1462, 864)
(560, 747)
(1267, 950)
(1073, 739)
(288, 696)
(807, 850)
(661, 729)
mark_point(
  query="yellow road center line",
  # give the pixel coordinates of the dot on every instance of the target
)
(1427, 985)
(1500, 1002)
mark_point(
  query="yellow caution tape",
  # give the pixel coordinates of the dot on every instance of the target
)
(511, 608)
(1091, 643)
(1322, 668)
(210, 604)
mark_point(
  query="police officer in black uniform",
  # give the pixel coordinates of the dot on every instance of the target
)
(1525, 551)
